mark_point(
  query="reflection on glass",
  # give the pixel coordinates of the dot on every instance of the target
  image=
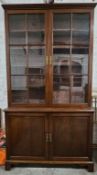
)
(76, 67)
(18, 60)
(70, 57)
(61, 79)
(79, 64)
(79, 91)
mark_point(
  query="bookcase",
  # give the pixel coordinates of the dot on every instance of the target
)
(49, 73)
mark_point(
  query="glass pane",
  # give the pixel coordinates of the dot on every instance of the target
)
(80, 37)
(36, 22)
(61, 21)
(36, 57)
(17, 38)
(61, 78)
(18, 82)
(18, 60)
(80, 27)
(61, 51)
(80, 50)
(70, 57)
(36, 72)
(61, 96)
(36, 89)
(79, 89)
(61, 92)
(80, 21)
(79, 75)
(36, 37)
(79, 64)
(19, 96)
(61, 37)
(61, 28)
(17, 28)
(17, 22)
(19, 89)
(36, 29)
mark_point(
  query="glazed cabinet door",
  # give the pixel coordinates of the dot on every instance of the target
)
(70, 136)
(26, 136)
(70, 57)
(27, 48)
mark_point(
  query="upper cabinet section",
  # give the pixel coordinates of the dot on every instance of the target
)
(49, 54)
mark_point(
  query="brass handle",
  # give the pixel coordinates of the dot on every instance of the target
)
(46, 60)
(50, 60)
(50, 137)
(47, 137)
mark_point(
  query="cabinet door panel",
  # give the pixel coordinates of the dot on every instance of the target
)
(26, 135)
(70, 136)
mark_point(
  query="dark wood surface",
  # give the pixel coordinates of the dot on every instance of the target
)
(41, 137)
(28, 138)
(66, 133)
(47, 6)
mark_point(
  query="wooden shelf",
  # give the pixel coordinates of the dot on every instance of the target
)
(68, 45)
(70, 30)
(67, 74)
(25, 31)
(29, 45)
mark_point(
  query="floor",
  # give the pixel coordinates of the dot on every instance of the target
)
(49, 171)
(46, 171)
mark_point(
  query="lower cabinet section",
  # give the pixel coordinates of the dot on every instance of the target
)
(49, 137)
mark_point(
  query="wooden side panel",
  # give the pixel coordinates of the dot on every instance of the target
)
(26, 135)
(70, 136)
